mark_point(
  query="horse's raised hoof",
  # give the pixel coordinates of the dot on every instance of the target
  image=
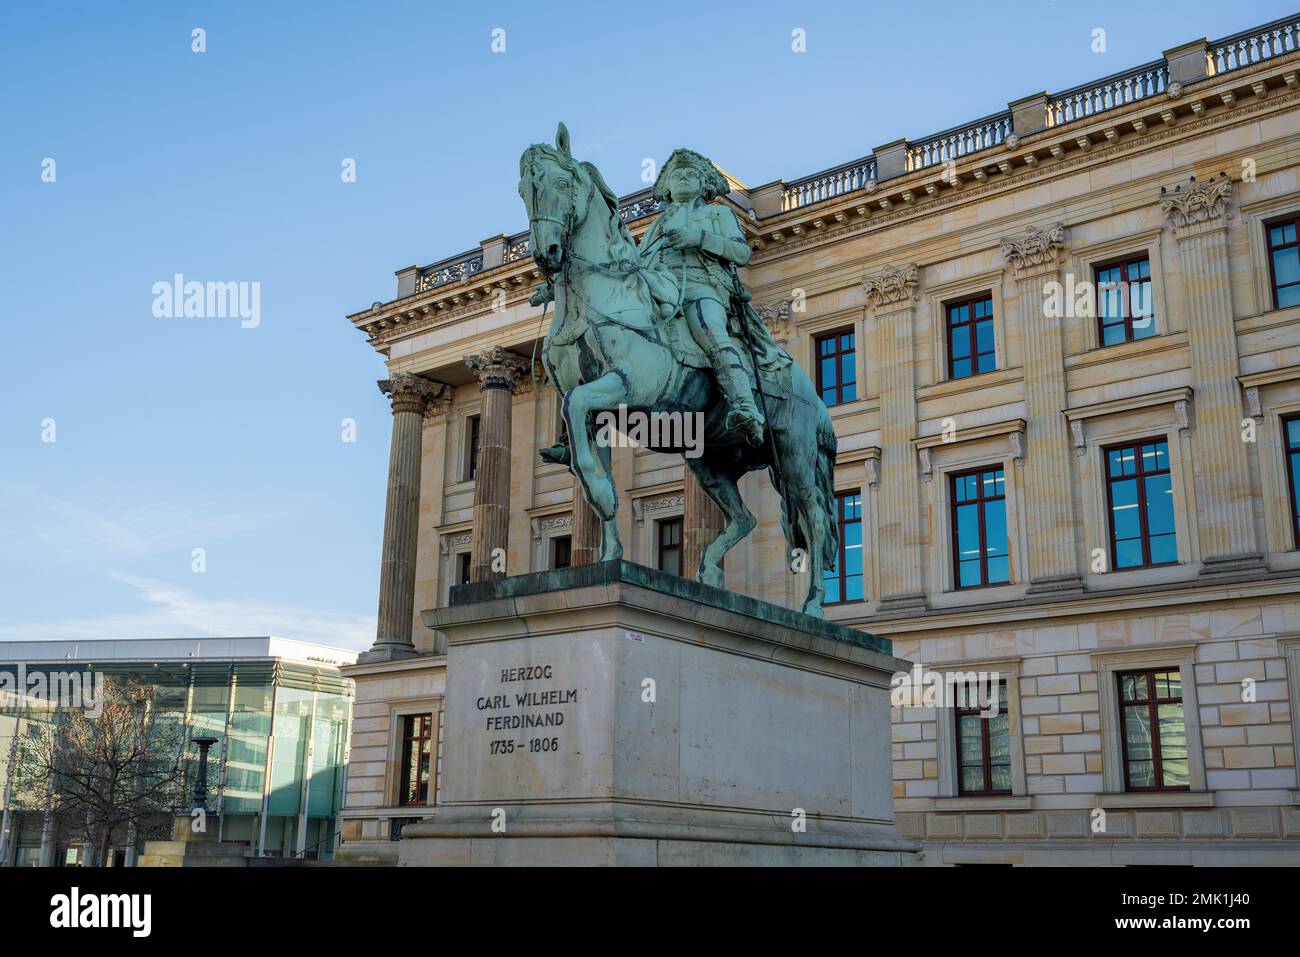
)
(555, 454)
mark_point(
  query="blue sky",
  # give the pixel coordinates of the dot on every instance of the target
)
(176, 434)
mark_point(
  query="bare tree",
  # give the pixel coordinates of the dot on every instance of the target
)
(111, 773)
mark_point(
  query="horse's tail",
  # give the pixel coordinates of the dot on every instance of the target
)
(827, 447)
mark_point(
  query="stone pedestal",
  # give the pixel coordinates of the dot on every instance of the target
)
(610, 714)
(189, 849)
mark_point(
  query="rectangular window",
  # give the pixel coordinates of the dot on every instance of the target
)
(1291, 435)
(462, 568)
(1140, 497)
(1124, 308)
(670, 545)
(417, 739)
(844, 582)
(979, 529)
(471, 448)
(561, 551)
(1284, 262)
(983, 748)
(837, 371)
(1153, 731)
(970, 337)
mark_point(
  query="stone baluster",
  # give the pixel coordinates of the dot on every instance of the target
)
(1035, 257)
(411, 397)
(891, 296)
(1199, 214)
(498, 371)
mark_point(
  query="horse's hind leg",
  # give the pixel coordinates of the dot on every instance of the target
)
(806, 506)
(721, 487)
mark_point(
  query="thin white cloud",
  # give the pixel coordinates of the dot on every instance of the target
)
(170, 611)
(62, 530)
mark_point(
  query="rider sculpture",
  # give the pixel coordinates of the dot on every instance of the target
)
(639, 328)
(700, 244)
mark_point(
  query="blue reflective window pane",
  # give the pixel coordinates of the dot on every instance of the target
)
(1160, 505)
(961, 368)
(984, 336)
(1124, 517)
(1128, 554)
(986, 363)
(960, 342)
(995, 528)
(1293, 433)
(1112, 335)
(999, 570)
(1164, 549)
(1290, 296)
(969, 574)
(848, 368)
(1286, 266)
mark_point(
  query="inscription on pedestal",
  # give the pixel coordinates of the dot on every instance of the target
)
(527, 714)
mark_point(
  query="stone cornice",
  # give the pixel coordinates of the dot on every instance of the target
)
(850, 226)
(1035, 250)
(409, 392)
(893, 285)
(1195, 207)
(838, 219)
(497, 368)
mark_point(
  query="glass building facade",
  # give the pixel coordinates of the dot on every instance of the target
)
(279, 710)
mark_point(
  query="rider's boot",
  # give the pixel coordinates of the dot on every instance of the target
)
(744, 416)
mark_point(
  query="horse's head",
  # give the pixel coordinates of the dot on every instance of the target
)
(557, 195)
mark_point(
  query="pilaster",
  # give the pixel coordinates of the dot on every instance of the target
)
(892, 295)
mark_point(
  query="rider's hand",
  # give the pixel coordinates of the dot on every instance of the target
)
(684, 238)
(541, 295)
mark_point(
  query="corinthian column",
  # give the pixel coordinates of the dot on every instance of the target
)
(702, 521)
(498, 372)
(584, 545)
(1199, 214)
(411, 396)
(1035, 257)
(891, 296)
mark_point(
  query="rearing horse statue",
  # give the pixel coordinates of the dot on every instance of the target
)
(617, 341)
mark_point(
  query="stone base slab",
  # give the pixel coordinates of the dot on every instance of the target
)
(611, 714)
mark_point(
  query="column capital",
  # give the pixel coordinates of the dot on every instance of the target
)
(893, 286)
(777, 317)
(414, 393)
(1194, 208)
(497, 368)
(1038, 249)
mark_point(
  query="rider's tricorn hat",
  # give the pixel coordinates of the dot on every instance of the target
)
(712, 182)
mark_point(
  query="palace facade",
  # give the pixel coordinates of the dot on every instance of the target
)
(1061, 347)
